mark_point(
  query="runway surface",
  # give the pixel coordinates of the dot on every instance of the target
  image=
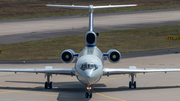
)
(22, 30)
(153, 86)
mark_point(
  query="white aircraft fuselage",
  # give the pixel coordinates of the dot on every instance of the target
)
(89, 65)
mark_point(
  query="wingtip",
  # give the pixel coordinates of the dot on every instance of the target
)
(136, 4)
(46, 4)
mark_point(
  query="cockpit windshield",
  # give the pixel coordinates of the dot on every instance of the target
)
(88, 66)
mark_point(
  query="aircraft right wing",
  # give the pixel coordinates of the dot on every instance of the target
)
(134, 70)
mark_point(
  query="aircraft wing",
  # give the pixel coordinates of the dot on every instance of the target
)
(46, 70)
(134, 70)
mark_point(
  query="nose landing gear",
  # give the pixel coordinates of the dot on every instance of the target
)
(88, 92)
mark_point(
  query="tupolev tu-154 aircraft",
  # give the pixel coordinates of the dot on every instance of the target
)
(89, 67)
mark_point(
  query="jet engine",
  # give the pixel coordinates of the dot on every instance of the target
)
(114, 55)
(67, 55)
(90, 38)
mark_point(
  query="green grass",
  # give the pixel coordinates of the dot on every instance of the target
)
(17, 9)
(132, 40)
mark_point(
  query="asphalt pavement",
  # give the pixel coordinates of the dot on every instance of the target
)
(23, 30)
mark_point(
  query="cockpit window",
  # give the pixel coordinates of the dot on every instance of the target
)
(88, 66)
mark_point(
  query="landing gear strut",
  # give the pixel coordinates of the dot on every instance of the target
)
(48, 84)
(132, 83)
(88, 92)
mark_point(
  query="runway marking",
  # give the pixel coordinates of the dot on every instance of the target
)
(11, 91)
(110, 80)
(44, 94)
(21, 91)
(107, 96)
(98, 100)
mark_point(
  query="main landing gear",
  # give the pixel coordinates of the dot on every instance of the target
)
(132, 83)
(48, 84)
(88, 92)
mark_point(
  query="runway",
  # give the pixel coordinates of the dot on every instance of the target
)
(152, 86)
(22, 30)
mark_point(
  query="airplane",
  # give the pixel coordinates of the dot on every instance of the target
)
(89, 67)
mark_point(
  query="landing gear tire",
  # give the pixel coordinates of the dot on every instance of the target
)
(46, 85)
(129, 84)
(90, 95)
(134, 84)
(50, 85)
(86, 94)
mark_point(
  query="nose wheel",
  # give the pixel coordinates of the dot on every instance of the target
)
(88, 93)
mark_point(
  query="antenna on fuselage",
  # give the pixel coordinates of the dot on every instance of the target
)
(91, 9)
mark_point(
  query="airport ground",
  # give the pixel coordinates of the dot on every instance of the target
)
(153, 86)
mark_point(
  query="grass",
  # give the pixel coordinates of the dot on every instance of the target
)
(131, 40)
(17, 9)
(176, 52)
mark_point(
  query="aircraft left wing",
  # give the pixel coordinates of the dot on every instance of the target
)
(46, 70)
(134, 70)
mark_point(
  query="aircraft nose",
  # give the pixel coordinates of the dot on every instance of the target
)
(88, 73)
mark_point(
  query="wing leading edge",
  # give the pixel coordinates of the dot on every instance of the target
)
(134, 70)
(46, 70)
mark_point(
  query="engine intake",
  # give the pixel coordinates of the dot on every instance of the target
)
(90, 38)
(114, 55)
(67, 55)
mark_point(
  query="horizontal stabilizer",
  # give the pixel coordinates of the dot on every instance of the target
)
(91, 6)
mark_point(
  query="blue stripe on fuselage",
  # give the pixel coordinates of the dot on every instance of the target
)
(91, 45)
